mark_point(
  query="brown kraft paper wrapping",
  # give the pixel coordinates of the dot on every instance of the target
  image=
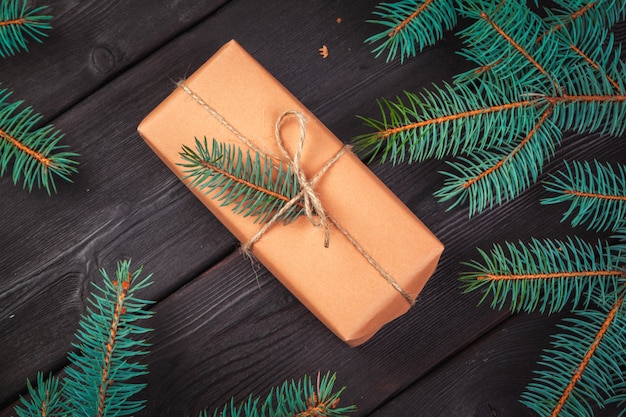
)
(337, 283)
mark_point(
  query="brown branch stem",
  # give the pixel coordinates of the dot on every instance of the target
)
(383, 134)
(118, 311)
(412, 16)
(585, 361)
(595, 195)
(244, 182)
(19, 22)
(517, 46)
(595, 66)
(518, 148)
(23, 148)
(573, 17)
(552, 275)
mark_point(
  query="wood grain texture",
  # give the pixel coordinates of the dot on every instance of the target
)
(222, 326)
(90, 44)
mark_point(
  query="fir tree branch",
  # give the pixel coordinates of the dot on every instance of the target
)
(97, 383)
(36, 154)
(18, 23)
(586, 364)
(597, 198)
(449, 121)
(544, 275)
(292, 399)
(578, 373)
(491, 177)
(505, 32)
(254, 186)
(596, 66)
(568, 19)
(512, 154)
(598, 13)
(45, 399)
(410, 18)
(513, 43)
(411, 25)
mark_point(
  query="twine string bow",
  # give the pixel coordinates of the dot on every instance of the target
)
(313, 208)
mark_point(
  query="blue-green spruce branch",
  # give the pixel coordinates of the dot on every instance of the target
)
(35, 154)
(410, 26)
(253, 185)
(99, 379)
(586, 364)
(19, 24)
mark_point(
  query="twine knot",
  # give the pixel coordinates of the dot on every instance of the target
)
(311, 201)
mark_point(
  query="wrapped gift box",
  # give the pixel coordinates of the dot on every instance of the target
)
(336, 283)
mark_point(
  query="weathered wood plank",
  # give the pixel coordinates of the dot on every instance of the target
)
(90, 44)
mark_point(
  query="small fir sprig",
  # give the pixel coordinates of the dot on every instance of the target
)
(292, 399)
(586, 364)
(252, 184)
(46, 398)
(544, 275)
(18, 24)
(596, 194)
(410, 26)
(109, 342)
(534, 79)
(35, 153)
(98, 380)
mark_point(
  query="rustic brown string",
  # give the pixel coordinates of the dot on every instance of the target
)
(312, 203)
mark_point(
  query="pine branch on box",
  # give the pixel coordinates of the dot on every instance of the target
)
(18, 24)
(254, 185)
(36, 155)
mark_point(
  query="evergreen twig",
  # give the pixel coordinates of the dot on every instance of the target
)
(36, 153)
(535, 78)
(586, 364)
(292, 399)
(253, 185)
(596, 196)
(18, 23)
(98, 382)
(411, 25)
(45, 399)
(544, 275)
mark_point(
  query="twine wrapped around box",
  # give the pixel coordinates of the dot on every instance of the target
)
(362, 220)
(312, 203)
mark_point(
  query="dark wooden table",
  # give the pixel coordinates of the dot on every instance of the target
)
(220, 329)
